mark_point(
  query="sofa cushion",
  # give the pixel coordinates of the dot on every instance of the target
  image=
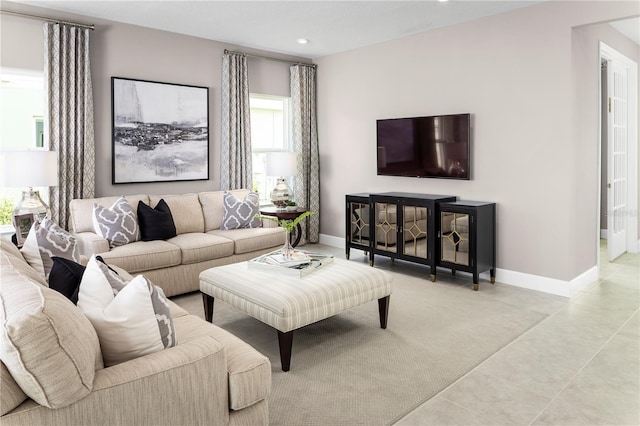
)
(117, 224)
(132, 318)
(144, 256)
(81, 210)
(213, 208)
(49, 347)
(185, 209)
(200, 247)
(46, 239)
(249, 370)
(12, 394)
(241, 213)
(156, 223)
(251, 239)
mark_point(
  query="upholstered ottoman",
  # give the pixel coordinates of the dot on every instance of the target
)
(287, 303)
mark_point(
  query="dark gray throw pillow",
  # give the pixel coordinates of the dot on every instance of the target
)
(156, 223)
(65, 277)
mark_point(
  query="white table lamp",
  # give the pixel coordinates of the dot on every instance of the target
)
(30, 169)
(281, 164)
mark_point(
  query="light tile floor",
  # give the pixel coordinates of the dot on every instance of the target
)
(580, 366)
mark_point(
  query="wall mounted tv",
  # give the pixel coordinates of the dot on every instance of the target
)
(435, 147)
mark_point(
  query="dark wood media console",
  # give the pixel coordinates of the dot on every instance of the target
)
(433, 230)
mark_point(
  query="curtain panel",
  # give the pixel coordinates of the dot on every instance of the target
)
(235, 138)
(70, 115)
(305, 143)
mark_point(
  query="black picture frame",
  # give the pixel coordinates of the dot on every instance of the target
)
(160, 131)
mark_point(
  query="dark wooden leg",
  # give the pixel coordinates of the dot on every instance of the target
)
(492, 272)
(476, 277)
(207, 301)
(371, 258)
(298, 236)
(383, 308)
(285, 340)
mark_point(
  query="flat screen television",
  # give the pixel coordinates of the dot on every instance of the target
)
(431, 147)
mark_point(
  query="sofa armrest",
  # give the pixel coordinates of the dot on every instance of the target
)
(186, 384)
(91, 243)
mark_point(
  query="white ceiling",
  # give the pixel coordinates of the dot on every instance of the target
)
(330, 26)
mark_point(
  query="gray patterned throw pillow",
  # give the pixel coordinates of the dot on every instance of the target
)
(117, 224)
(241, 214)
(45, 240)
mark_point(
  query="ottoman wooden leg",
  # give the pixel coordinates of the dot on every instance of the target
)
(383, 308)
(285, 340)
(207, 301)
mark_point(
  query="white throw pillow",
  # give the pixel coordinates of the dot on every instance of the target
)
(46, 240)
(132, 319)
(117, 224)
(241, 213)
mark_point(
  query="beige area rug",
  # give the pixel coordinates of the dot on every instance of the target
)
(346, 370)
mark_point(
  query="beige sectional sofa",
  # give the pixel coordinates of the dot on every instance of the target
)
(52, 371)
(175, 264)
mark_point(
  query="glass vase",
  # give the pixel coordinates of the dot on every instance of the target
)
(287, 249)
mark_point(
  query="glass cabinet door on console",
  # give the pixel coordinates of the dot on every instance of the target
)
(414, 231)
(386, 229)
(455, 238)
(404, 227)
(357, 224)
(467, 238)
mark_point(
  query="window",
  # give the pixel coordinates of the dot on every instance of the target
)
(22, 103)
(269, 132)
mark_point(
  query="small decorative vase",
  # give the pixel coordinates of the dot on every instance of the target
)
(287, 249)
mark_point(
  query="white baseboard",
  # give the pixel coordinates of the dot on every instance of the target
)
(603, 234)
(330, 240)
(518, 279)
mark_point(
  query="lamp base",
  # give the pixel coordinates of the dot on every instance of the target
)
(31, 208)
(281, 194)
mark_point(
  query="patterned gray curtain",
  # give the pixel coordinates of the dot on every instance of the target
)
(235, 140)
(70, 115)
(305, 143)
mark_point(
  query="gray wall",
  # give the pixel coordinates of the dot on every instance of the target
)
(123, 50)
(515, 73)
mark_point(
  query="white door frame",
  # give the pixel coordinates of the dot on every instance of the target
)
(608, 53)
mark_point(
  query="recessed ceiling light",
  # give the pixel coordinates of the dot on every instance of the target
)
(442, 1)
(303, 41)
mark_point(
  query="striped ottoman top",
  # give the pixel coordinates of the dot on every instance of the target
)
(286, 302)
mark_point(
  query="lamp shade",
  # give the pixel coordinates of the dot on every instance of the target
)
(30, 168)
(282, 163)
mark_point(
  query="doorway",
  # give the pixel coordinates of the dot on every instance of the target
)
(618, 154)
